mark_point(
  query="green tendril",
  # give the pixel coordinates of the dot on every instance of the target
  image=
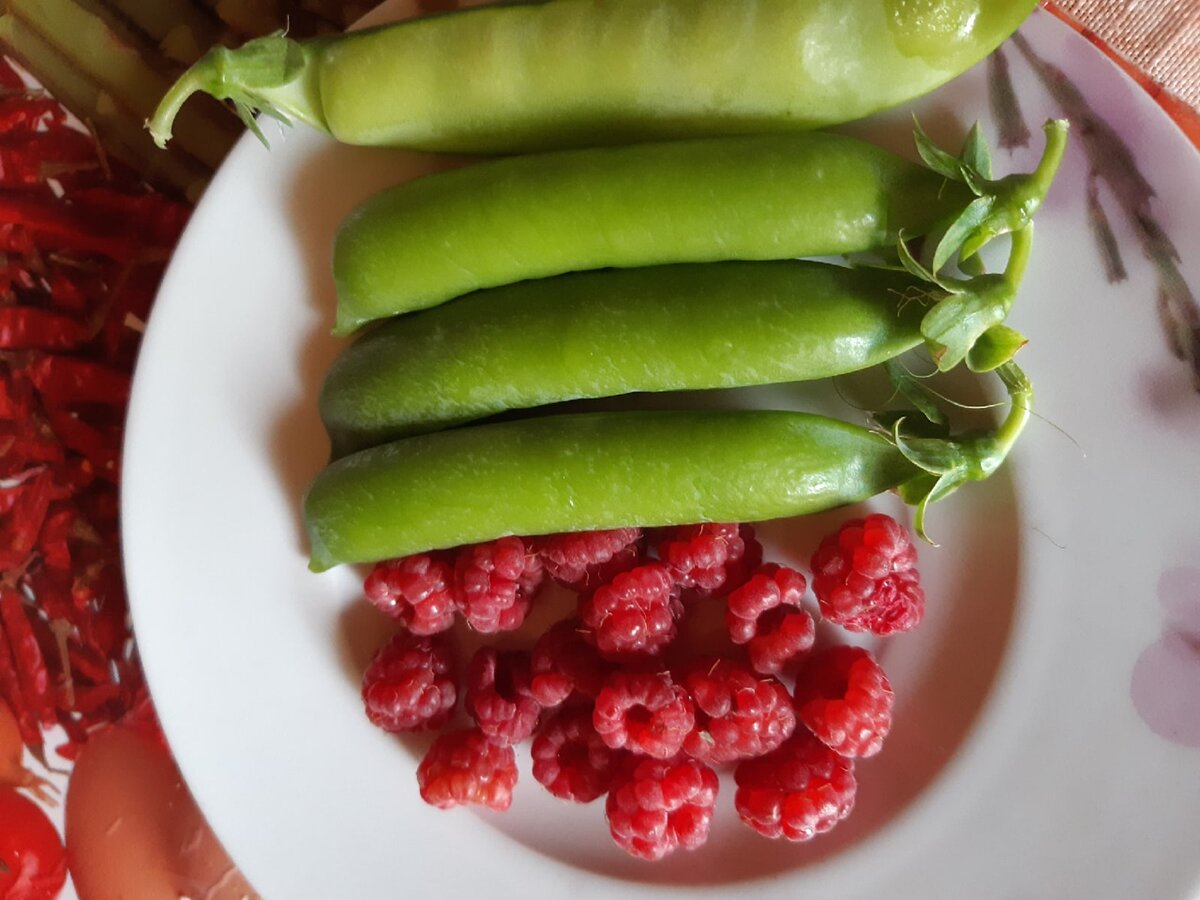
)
(947, 463)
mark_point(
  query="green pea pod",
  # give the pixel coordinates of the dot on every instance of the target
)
(520, 77)
(440, 236)
(590, 470)
(611, 469)
(615, 331)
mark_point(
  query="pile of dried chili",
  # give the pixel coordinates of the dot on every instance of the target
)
(82, 248)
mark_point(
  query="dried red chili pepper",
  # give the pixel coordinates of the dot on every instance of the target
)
(19, 536)
(28, 111)
(32, 443)
(32, 328)
(34, 677)
(10, 690)
(15, 275)
(66, 381)
(59, 227)
(71, 291)
(100, 449)
(27, 160)
(15, 239)
(53, 546)
(154, 218)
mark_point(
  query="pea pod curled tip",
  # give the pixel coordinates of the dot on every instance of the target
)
(606, 470)
(617, 331)
(519, 77)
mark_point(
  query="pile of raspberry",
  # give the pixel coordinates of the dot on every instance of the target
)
(614, 700)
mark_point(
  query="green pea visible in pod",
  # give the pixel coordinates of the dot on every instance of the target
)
(616, 331)
(443, 235)
(519, 77)
(591, 470)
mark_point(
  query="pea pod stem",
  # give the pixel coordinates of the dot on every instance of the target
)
(272, 75)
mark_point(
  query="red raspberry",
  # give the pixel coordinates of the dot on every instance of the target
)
(565, 663)
(645, 712)
(656, 806)
(465, 767)
(581, 560)
(499, 697)
(635, 615)
(570, 759)
(739, 714)
(865, 577)
(496, 582)
(409, 685)
(843, 697)
(417, 590)
(765, 615)
(710, 558)
(797, 791)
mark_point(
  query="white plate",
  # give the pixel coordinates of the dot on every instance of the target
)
(1046, 742)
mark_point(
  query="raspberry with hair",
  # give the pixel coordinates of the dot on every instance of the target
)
(634, 615)
(658, 806)
(765, 615)
(566, 663)
(710, 558)
(797, 791)
(645, 712)
(581, 560)
(844, 698)
(570, 759)
(464, 767)
(739, 714)
(409, 684)
(865, 577)
(416, 590)
(496, 582)
(499, 696)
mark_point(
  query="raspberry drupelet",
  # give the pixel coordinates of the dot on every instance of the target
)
(658, 806)
(765, 615)
(865, 577)
(499, 696)
(570, 759)
(496, 582)
(739, 714)
(409, 684)
(645, 712)
(582, 560)
(710, 558)
(844, 698)
(797, 791)
(416, 590)
(635, 615)
(464, 767)
(566, 663)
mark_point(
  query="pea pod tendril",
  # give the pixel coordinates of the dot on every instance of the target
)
(1001, 206)
(972, 308)
(947, 464)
